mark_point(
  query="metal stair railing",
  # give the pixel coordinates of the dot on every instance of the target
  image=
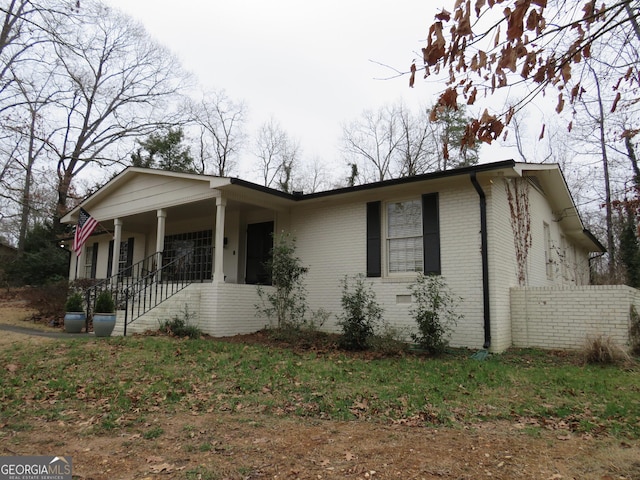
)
(142, 286)
(157, 286)
(116, 284)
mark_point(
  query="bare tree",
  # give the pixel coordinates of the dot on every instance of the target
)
(36, 98)
(26, 24)
(373, 141)
(220, 122)
(114, 83)
(277, 154)
(415, 150)
(312, 177)
(26, 97)
(394, 142)
(599, 123)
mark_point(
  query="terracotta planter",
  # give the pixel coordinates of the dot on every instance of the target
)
(74, 321)
(103, 324)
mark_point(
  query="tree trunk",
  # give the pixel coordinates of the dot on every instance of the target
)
(611, 246)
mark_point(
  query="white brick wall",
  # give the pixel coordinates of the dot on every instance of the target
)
(331, 239)
(502, 260)
(219, 310)
(332, 243)
(563, 317)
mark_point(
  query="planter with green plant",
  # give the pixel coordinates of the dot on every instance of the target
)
(104, 318)
(74, 317)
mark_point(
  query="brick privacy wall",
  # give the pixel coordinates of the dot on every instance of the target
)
(564, 317)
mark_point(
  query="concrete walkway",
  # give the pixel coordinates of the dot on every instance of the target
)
(44, 333)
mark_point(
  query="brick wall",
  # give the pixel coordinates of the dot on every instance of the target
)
(563, 317)
(332, 243)
(218, 309)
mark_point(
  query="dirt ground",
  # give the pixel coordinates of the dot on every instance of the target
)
(250, 445)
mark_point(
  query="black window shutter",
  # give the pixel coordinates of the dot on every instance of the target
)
(110, 261)
(130, 252)
(129, 256)
(374, 239)
(94, 260)
(431, 233)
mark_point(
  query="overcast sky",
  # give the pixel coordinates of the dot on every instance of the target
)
(309, 65)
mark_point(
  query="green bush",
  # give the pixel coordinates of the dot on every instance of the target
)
(105, 303)
(74, 303)
(362, 314)
(43, 261)
(434, 312)
(287, 303)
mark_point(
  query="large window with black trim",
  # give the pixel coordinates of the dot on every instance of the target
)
(406, 234)
(189, 255)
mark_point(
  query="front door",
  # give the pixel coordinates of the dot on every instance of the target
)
(259, 246)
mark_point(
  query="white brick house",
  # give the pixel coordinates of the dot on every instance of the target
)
(459, 224)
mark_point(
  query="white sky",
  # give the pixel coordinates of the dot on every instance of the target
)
(306, 64)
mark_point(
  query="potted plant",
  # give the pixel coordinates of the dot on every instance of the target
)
(74, 317)
(104, 318)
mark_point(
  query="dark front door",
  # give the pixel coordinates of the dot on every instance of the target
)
(259, 245)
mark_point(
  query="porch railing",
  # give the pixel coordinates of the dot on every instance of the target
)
(142, 286)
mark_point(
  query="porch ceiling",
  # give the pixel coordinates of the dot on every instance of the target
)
(145, 221)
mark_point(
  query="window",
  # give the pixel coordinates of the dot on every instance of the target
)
(404, 237)
(90, 257)
(191, 253)
(125, 259)
(122, 260)
(410, 237)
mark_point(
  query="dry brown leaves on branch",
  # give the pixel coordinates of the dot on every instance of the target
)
(533, 48)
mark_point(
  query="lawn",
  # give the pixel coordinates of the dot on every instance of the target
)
(136, 389)
(121, 376)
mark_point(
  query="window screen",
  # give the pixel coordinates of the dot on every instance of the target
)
(404, 236)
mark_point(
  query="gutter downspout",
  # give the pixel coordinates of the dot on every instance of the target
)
(485, 261)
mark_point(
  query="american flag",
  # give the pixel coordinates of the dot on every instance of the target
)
(86, 225)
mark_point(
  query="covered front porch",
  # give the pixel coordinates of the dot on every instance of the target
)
(161, 228)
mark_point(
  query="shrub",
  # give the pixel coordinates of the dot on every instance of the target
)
(181, 326)
(74, 303)
(361, 316)
(287, 303)
(104, 302)
(602, 350)
(303, 334)
(48, 300)
(434, 312)
(389, 341)
(43, 261)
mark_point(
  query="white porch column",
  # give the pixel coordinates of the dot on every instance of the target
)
(162, 221)
(218, 273)
(117, 239)
(80, 273)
